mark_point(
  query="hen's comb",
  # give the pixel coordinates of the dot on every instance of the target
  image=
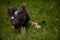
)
(24, 4)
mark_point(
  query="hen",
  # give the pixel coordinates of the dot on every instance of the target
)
(19, 18)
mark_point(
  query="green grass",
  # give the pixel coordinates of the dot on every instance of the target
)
(39, 10)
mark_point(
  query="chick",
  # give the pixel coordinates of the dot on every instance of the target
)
(35, 25)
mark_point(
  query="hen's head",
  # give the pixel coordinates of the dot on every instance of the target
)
(23, 4)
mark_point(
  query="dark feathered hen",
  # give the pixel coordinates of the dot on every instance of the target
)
(19, 18)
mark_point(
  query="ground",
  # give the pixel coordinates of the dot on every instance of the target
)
(39, 10)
